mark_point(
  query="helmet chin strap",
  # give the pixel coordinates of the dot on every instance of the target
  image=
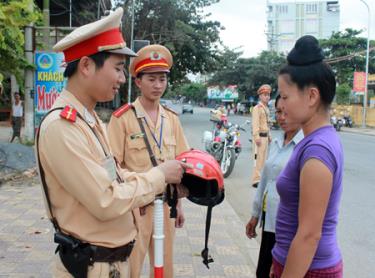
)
(172, 199)
(207, 259)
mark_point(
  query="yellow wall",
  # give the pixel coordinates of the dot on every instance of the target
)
(355, 112)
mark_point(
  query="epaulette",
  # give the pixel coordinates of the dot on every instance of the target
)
(69, 114)
(170, 109)
(120, 111)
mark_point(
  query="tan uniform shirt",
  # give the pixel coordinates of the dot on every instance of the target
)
(87, 200)
(260, 118)
(128, 143)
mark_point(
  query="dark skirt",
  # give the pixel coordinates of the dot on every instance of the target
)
(265, 254)
(16, 125)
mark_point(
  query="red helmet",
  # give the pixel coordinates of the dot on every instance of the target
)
(205, 180)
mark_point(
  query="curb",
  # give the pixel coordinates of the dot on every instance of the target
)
(358, 131)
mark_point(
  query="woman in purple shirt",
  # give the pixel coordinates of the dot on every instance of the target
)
(310, 185)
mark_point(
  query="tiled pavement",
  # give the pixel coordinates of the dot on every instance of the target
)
(26, 247)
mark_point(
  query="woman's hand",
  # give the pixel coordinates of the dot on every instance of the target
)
(272, 272)
(251, 226)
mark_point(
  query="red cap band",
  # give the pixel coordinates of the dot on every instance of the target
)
(148, 63)
(108, 40)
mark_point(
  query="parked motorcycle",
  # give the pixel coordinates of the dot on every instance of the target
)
(337, 123)
(348, 121)
(224, 145)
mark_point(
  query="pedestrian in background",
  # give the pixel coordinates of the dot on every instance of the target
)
(310, 185)
(261, 132)
(266, 200)
(166, 138)
(16, 118)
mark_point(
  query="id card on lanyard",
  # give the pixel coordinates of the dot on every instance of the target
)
(160, 143)
(110, 166)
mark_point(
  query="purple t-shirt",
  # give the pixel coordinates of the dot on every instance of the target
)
(322, 144)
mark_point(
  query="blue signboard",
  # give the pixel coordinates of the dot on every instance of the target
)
(49, 82)
(228, 93)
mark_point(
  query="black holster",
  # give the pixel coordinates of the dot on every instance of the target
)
(75, 255)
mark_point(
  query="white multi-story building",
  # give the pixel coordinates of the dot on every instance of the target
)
(287, 20)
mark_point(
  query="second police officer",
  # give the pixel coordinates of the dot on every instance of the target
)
(128, 127)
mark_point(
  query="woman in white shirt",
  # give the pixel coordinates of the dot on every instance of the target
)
(17, 113)
(266, 199)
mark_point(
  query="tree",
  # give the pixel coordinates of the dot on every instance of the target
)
(345, 43)
(343, 94)
(248, 74)
(265, 69)
(14, 16)
(195, 92)
(182, 27)
(228, 68)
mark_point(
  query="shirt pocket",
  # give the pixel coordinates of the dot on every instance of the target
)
(170, 145)
(136, 154)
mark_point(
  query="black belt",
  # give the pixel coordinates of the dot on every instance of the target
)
(263, 134)
(111, 255)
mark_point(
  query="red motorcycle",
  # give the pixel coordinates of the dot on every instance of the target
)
(224, 144)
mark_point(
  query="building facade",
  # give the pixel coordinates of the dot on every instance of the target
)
(287, 20)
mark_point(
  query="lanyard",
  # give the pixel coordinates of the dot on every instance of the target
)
(160, 143)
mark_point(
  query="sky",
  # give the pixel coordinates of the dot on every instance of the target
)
(245, 22)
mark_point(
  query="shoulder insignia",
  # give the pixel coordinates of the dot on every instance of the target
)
(170, 110)
(69, 114)
(118, 113)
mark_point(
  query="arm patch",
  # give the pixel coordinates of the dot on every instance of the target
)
(69, 114)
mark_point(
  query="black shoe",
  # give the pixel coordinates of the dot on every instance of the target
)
(255, 185)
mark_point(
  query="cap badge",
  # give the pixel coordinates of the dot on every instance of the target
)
(155, 56)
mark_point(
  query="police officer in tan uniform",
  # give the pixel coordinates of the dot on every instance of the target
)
(261, 132)
(89, 198)
(167, 140)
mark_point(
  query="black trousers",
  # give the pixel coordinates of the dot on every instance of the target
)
(265, 255)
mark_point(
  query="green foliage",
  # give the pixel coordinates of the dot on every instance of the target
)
(345, 43)
(181, 26)
(14, 16)
(343, 94)
(248, 74)
(195, 92)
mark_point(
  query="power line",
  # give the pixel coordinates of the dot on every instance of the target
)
(346, 57)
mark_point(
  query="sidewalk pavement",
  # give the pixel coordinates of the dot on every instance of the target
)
(27, 248)
(6, 133)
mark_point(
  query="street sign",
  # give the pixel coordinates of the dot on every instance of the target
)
(359, 82)
(139, 44)
(225, 94)
(49, 82)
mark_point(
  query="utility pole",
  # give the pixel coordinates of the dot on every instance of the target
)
(98, 16)
(367, 62)
(46, 34)
(29, 84)
(132, 48)
(70, 13)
